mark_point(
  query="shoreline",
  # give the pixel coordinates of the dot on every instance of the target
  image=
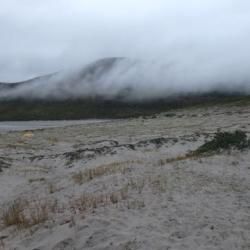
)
(6, 126)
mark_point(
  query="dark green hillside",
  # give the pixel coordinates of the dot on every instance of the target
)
(96, 108)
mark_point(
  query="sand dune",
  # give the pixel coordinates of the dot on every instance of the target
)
(125, 184)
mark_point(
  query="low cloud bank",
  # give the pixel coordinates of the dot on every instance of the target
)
(131, 80)
(180, 47)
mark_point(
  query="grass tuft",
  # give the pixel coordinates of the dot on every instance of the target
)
(14, 214)
(112, 168)
(25, 214)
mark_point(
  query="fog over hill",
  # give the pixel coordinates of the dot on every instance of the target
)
(126, 50)
(121, 79)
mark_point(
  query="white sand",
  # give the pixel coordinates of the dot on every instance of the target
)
(189, 204)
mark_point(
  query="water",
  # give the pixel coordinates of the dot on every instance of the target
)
(32, 125)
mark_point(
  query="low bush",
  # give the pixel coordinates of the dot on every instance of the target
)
(225, 140)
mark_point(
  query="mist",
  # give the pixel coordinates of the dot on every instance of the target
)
(169, 47)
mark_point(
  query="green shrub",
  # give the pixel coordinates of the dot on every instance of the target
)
(225, 140)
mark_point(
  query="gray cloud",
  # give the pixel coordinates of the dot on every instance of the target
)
(207, 42)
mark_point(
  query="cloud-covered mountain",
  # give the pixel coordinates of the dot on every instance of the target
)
(88, 81)
(120, 79)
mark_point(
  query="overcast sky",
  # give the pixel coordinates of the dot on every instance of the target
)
(43, 36)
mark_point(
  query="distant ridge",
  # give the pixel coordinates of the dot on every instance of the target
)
(61, 81)
(80, 95)
(114, 78)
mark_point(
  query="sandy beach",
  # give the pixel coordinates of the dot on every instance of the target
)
(125, 184)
